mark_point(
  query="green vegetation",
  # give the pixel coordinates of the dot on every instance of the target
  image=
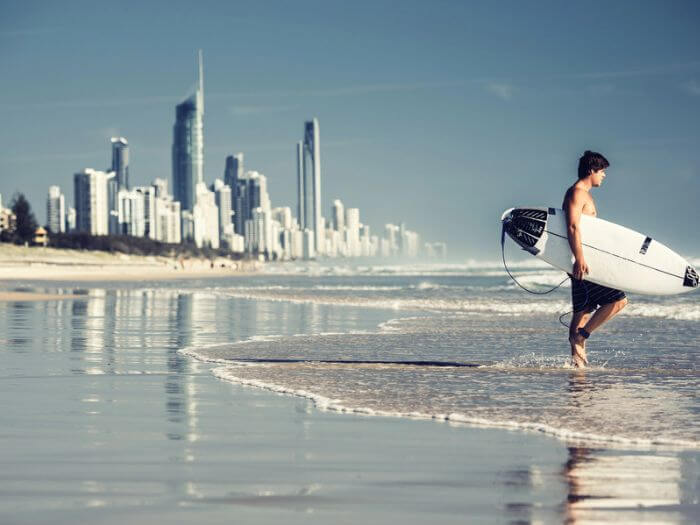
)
(26, 222)
(133, 246)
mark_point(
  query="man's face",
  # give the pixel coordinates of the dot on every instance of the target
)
(597, 177)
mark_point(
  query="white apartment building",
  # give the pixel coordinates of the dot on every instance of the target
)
(205, 215)
(352, 232)
(91, 201)
(56, 210)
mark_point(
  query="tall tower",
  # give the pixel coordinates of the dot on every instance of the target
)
(56, 210)
(91, 201)
(234, 177)
(188, 144)
(233, 171)
(312, 170)
(301, 192)
(120, 161)
(338, 216)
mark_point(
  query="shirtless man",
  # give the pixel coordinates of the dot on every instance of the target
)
(586, 297)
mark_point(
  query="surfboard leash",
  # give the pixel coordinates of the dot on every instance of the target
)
(503, 257)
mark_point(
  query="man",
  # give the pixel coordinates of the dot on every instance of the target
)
(587, 298)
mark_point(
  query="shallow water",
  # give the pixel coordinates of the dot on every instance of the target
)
(507, 351)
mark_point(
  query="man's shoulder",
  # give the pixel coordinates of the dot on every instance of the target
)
(575, 193)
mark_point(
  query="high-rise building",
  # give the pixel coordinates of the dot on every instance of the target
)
(149, 210)
(188, 145)
(56, 210)
(352, 229)
(91, 201)
(312, 182)
(120, 161)
(258, 195)
(258, 239)
(391, 231)
(301, 189)
(113, 225)
(222, 194)
(70, 220)
(233, 170)
(205, 216)
(167, 220)
(338, 216)
(131, 206)
(161, 187)
(365, 241)
(236, 180)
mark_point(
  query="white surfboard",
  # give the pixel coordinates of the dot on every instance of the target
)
(616, 256)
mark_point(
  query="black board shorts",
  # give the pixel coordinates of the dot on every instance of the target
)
(587, 296)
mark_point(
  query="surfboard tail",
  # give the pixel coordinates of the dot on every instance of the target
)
(525, 226)
(691, 277)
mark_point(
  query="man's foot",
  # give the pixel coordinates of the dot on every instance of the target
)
(578, 351)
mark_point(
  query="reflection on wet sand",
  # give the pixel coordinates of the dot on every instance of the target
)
(633, 487)
(607, 486)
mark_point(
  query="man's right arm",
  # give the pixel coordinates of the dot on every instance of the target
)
(573, 209)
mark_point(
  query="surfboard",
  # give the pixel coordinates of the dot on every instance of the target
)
(617, 256)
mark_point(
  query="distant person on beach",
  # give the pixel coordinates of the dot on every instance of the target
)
(593, 304)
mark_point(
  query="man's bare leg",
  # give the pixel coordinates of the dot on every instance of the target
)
(602, 315)
(578, 348)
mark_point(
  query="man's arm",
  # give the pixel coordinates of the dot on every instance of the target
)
(573, 208)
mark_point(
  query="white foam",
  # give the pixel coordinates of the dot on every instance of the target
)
(466, 268)
(228, 373)
(358, 288)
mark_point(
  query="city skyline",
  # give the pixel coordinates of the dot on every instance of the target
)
(105, 204)
(444, 115)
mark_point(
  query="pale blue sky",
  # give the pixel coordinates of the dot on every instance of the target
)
(439, 113)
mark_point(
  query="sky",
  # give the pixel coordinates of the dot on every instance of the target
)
(439, 114)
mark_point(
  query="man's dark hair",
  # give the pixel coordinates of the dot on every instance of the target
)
(591, 161)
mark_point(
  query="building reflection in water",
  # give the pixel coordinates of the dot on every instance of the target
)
(605, 485)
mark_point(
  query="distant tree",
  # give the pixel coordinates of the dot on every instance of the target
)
(26, 222)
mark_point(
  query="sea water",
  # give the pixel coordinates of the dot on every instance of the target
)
(462, 343)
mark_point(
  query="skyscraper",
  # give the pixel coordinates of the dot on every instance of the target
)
(205, 215)
(234, 178)
(113, 191)
(222, 194)
(312, 182)
(234, 169)
(301, 190)
(91, 202)
(338, 216)
(120, 161)
(352, 225)
(56, 210)
(188, 144)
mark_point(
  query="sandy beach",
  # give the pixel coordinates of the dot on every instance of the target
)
(50, 264)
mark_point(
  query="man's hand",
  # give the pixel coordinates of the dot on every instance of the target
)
(580, 269)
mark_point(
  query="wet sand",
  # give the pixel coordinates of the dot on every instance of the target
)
(105, 421)
(33, 296)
